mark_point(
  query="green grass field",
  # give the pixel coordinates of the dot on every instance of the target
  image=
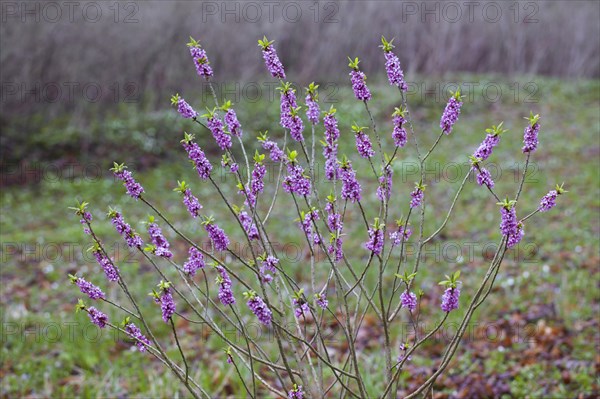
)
(535, 336)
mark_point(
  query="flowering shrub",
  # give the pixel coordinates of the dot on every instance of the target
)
(335, 290)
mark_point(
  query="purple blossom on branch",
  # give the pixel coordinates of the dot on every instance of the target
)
(132, 238)
(450, 299)
(403, 233)
(97, 317)
(351, 188)
(516, 237)
(271, 59)
(259, 308)
(159, 241)
(231, 120)
(200, 59)
(358, 80)
(111, 271)
(508, 224)
(491, 140)
(484, 177)
(195, 261)
(321, 300)
(134, 189)
(225, 293)
(384, 190)
(215, 125)
(392, 65)
(248, 225)
(217, 235)
(375, 242)
(166, 301)
(296, 392)
(530, 137)
(296, 182)
(363, 143)
(140, 339)
(417, 195)
(88, 288)
(408, 300)
(451, 112)
(197, 156)
(399, 133)
(183, 107)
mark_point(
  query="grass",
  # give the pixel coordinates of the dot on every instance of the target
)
(535, 335)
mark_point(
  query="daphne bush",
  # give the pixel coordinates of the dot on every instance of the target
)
(219, 284)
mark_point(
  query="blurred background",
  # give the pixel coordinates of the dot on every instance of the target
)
(87, 83)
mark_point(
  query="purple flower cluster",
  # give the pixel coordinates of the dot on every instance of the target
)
(508, 224)
(131, 237)
(394, 71)
(335, 247)
(384, 190)
(269, 264)
(232, 123)
(134, 189)
(227, 163)
(201, 61)
(275, 153)
(159, 240)
(484, 177)
(296, 392)
(86, 218)
(197, 156)
(351, 188)
(296, 182)
(287, 102)
(97, 317)
(450, 299)
(363, 145)
(403, 349)
(417, 197)
(335, 224)
(257, 184)
(167, 304)
(306, 223)
(296, 127)
(516, 237)
(321, 300)
(89, 289)
(403, 233)
(215, 125)
(260, 309)
(548, 201)
(359, 85)
(312, 111)
(450, 115)
(289, 118)
(249, 225)
(408, 300)
(530, 138)
(136, 333)
(195, 261)
(218, 236)
(185, 109)
(375, 243)
(399, 133)
(192, 203)
(111, 271)
(225, 293)
(330, 149)
(300, 307)
(486, 147)
(272, 62)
